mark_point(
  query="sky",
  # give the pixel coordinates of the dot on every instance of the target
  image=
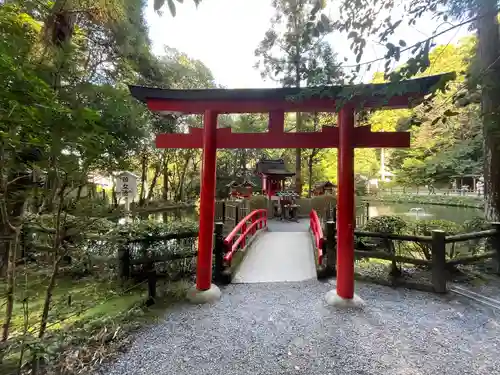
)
(224, 34)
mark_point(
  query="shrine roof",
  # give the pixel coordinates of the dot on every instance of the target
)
(247, 183)
(388, 95)
(324, 184)
(273, 167)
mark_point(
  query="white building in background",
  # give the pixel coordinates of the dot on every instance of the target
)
(385, 175)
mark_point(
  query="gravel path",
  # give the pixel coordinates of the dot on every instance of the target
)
(286, 328)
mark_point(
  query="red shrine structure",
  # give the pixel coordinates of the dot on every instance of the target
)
(243, 190)
(323, 188)
(346, 137)
(246, 188)
(233, 189)
(273, 174)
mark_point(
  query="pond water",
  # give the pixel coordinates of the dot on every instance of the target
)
(184, 214)
(415, 211)
(408, 211)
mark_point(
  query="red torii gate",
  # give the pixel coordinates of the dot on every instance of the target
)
(345, 137)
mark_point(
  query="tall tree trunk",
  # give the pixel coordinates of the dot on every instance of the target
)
(144, 176)
(244, 163)
(310, 172)
(298, 128)
(154, 180)
(165, 161)
(56, 246)
(11, 269)
(313, 154)
(182, 178)
(488, 57)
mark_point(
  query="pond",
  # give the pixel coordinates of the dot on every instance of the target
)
(182, 214)
(411, 211)
(416, 211)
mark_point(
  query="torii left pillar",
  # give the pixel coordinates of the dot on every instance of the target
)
(204, 291)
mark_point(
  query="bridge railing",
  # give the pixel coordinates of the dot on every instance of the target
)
(317, 232)
(242, 232)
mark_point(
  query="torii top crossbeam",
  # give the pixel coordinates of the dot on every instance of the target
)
(278, 101)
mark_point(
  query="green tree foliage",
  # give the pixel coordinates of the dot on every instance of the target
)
(373, 19)
(442, 146)
(294, 54)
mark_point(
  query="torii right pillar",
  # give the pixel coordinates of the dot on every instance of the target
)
(344, 295)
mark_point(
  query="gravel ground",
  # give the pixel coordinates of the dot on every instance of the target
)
(286, 328)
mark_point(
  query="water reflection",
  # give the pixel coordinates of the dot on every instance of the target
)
(418, 213)
(182, 214)
(424, 211)
(174, 215)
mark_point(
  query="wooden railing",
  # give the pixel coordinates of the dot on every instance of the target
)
(427, 251)
(361, 214)
(246, 228)
(317, 233)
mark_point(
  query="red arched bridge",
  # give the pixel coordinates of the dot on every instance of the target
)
(258, 250)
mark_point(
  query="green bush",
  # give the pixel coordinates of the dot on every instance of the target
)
(258, 202)
(395, 224)
(476, 224)
(385, 224)
(150, 228)
(78, 223)
(360, 186)
(425, 227)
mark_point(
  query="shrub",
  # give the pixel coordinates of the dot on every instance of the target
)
(425, 227)
(476, 224)
(385, 224)
(258, 202)
(150, 228)
(360, 186)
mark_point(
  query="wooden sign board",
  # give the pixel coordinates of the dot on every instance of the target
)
(126, 185)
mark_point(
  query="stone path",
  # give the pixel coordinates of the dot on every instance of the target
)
(286, 328)
(275, 225)
(278, 257)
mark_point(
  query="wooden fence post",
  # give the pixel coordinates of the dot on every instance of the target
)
(327, 213)
(236, 214)
(218, 252)
(496, 243)
(438, 261)
(367, 211)
(331, 248)
(124, 262)
(223, 212)
(151, 274)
